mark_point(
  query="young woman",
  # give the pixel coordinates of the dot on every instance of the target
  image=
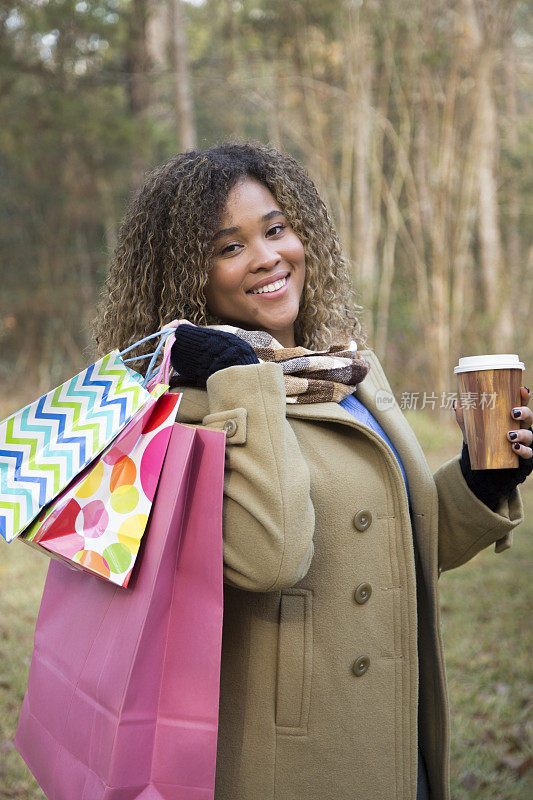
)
(335, 530)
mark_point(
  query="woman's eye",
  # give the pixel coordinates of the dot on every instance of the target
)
(227, 249)
(275, 230)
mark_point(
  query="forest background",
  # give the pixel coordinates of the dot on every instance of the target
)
(412, 118)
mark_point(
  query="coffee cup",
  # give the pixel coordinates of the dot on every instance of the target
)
(489, 387)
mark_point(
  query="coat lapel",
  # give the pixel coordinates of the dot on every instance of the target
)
(373, 393)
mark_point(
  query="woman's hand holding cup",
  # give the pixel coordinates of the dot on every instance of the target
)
(522, 440)
(523, 437)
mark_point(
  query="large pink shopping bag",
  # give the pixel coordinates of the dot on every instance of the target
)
(122, 697)
(97, 522)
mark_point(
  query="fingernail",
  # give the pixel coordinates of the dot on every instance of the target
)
(512, 435)
(453, 404)
(516, 413)
(527, 389)
(516, 445)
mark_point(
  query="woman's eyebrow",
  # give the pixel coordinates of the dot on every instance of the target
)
(264, 218)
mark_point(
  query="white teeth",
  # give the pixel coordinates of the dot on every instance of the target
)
(271, 287)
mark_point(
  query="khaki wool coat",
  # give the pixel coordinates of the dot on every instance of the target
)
(319, 688)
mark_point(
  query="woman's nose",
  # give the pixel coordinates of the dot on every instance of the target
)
(264, 256)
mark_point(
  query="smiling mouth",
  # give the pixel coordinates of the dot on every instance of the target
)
(270, 287)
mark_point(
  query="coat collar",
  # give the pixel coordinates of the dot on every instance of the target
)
(376, 395)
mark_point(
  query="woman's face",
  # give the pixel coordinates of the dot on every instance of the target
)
(258, 268)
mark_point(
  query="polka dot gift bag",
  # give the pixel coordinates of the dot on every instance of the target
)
(96, 524)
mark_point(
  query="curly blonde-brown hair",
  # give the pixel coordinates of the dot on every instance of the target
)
(160, 267)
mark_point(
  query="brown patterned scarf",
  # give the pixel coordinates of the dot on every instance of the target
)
(310, 377)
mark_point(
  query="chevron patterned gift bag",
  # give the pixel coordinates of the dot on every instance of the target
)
(97, 523)
(46, 444)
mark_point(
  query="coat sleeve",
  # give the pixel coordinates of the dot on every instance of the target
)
(268, 516)
(466, 524)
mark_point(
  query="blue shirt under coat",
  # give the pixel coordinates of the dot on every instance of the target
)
(354, 407)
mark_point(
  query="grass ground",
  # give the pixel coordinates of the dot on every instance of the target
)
(486, 613)
(486, 609)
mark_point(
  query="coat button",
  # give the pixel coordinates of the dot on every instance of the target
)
(230, 428)
(362, 520)
(362, 593)
(360, 665)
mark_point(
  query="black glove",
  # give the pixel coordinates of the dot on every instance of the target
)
(493, 485)
(199, 352)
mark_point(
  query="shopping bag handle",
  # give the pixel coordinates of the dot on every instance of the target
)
(163, 373)
(165, 369)
(141, 341)
(163, 334)
(167, 338)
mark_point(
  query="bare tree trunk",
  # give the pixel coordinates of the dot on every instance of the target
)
(488, 214)
(387, 269)
(439, 234)
(276, 110)
(157, 34)
(364, 249)
(513, 272)
(138, 86)
(182, 79)
(376, 170)
(316, 126)
(344, 220)
(108, 214)
(527, 291)
(463, 202)
(391, 197)
(86, 289)
(483, 26)
(462, 260)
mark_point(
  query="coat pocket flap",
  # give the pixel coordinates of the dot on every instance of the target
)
(295, 660)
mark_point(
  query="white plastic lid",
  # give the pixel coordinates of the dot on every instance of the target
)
(494, 361)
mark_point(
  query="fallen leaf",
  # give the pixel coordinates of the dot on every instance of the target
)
(502, 689)
(514, 743)
(469, 780)
(516, 764)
